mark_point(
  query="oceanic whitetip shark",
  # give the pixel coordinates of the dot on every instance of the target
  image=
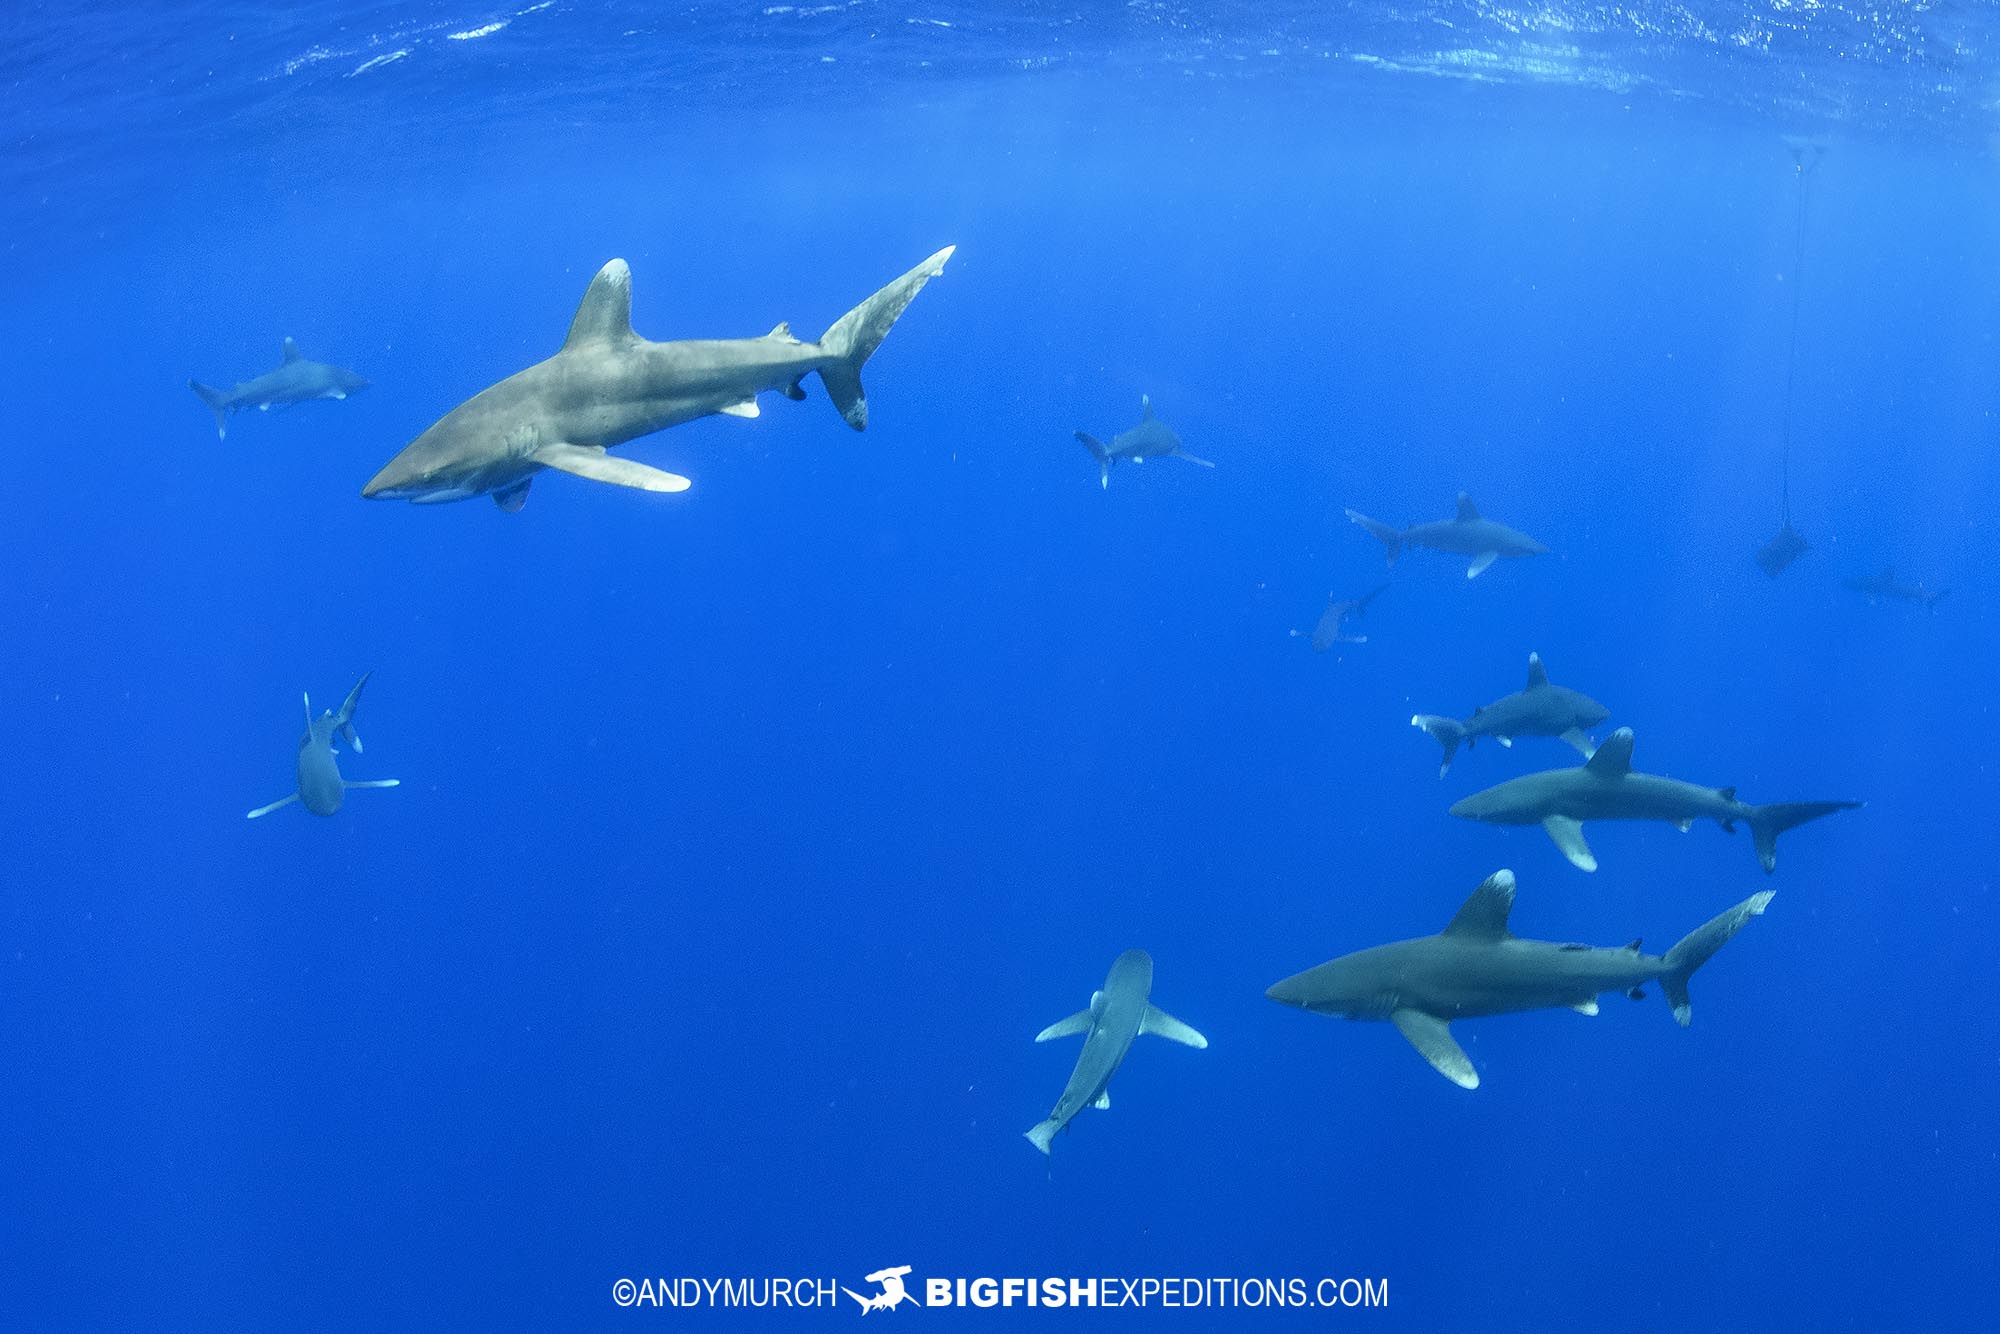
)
(1150, 439)
(321, 788)
(1466, 534)
(1476, 967)
(1339, 611)
(296, 380)
(607, 385)
(1605, 788)
(1116, 1015)
(1537, 709)
(1876, 587)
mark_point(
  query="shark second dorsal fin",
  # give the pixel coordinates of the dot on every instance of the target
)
(1484, 915)
(1614, 758)
(1467, 511)
(291, 351)
(605, 315)
(1537, 674)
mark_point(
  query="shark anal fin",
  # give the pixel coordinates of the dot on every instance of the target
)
(1066, 1028)
(1103, 1102)
(1568, 836)
(513, 498)
(1432, 1038)
(1480, 562)
(599, 466)
(1163, 1025)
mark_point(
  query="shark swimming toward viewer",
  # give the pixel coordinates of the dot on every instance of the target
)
(1477, 967)
(1537, 709)
(296, 380)
(607, 385)
(1605, 788)
(1339, 611)
(1465, 534)
(321, 788)
(1116, 1015)
(1150, 439)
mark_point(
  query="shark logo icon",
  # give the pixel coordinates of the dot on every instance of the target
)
(893, 1292)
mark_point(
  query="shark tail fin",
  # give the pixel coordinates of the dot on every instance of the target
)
(344, 720)
(1101, 454)
(1698, 946)
(1448, 731)
(855, 336)
(218, 403)
(1043, 1133)
(1767, 822)
(1382, 532)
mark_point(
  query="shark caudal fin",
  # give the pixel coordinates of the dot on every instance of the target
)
(1101, 454)
(218, 403)
(1698, 946)
(1043, 1133)
(1767, 822)
(1448, 731)
(855, 336)
(343, 722)
(1382, 533)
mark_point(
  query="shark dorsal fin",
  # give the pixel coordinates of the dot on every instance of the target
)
(1537, 674)
(784, 330)
(291, 351)
(605, 316)
(1484, 915)
(1467, 511)
(1146, 407)
(1614, 758)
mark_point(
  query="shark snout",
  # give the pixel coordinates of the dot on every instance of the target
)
(1291, 991)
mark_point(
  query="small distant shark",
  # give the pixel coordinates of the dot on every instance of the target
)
(1537, 709)
(1150, 439)
(1465, 535)
(321, 788)
(1338, 612)
(607, 385)
(1117, 1014)
(1477, 967)
(1605, 788)
(295, 381)
(1877, 587)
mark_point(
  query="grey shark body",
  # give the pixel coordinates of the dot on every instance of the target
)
(296, 380)
(1606, 788)
(1477, 967)
(1465, 534)
(1537, 709)
(1150, 439)
(1339, 611)
(607, 385)
(1883, 587)
(321, 789)
(1116, 1015)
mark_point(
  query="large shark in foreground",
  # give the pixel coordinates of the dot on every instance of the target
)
(296, 380)
(1537, 709)
(1117, 1014)
(1150, 439)
(607, 385)
(1477, 967)
(321, 788)
(1605, 788)
(1465, 534)
(1339, 611)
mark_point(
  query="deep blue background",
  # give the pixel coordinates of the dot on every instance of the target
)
(748, 836)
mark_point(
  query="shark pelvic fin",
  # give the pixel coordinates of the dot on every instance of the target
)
(1432, 1038)
(747, 408)
(1066, 1028)
(1163, 1025)
(1568, 836)
(599, 466)
(1484, 915)
(514, 497)
(605, 314)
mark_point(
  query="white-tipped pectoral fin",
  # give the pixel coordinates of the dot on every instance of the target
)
(1568, 836)
(1582, 744)
(598, 466)
(266, 810)
(1198, 462)
(1163, 1025)
(374, 782)
(1480, 562)
(1066, 1028)
(1432, 1038)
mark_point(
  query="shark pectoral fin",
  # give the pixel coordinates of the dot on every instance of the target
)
(747, 408)
(1103, 1103)
(1684, 825)
(1198, 462)
(374, 782)
(1163, 1025)
(1568, 835)
(266, 810)
(1480, 562)
(337, 394)
(1432, 1038)
(514, 497)
(599, 466)
(1066, 1028)
(1588, 1007)
(1578, 741)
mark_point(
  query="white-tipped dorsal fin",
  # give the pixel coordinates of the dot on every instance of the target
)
(1538, 675)
(1613, 759)
(1484, 915)
(1432, 1038)
(606, 312)
(1145, 407)
(1163, 1025)
(1467, 511)
(291, 350)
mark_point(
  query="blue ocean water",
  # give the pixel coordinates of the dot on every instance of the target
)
(747, 836)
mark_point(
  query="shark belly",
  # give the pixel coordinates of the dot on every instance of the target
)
(320, 787)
